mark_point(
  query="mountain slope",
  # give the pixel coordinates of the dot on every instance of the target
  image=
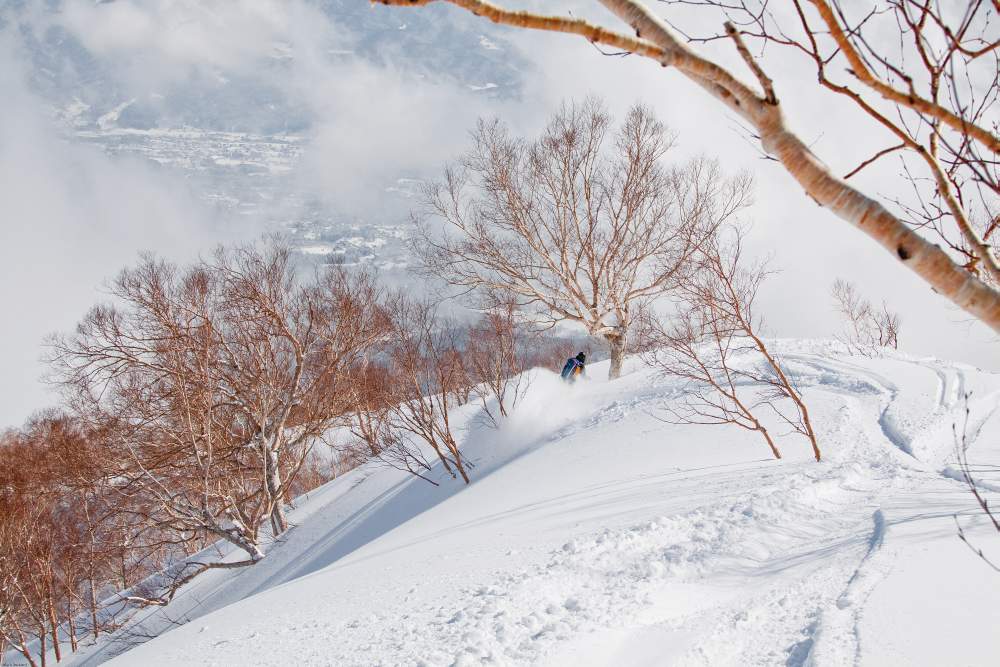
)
(596, 534)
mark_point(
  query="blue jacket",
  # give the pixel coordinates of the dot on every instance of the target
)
(572, 368)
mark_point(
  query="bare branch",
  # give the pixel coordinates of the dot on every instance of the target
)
(957, 282)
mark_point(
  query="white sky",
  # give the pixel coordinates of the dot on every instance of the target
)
(71, 217)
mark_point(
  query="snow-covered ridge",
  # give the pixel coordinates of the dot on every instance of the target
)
(594, 533)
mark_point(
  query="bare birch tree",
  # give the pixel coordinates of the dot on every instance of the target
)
(970, 475)
(709, 342)
(405, 399)
(375, 424)
(46, 558)
(497, 355)
(426, 364)
(211, 385)
(287, 358)
(924, 74)
(866, 328)
(583, 225)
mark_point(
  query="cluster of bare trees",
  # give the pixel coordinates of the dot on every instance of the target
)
(62, 543)
(429, 364)
(586, 224)
(192, 405)
(192, 402)
(210, 385)
(924, 75)
(867, 328)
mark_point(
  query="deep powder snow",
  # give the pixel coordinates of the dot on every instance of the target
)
(595, 533)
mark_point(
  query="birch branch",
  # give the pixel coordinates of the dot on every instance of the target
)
(656, 40)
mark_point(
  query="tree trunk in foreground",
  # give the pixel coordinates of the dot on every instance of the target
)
(770, 442)
(54, 627)
(616, 344)
(279, 524)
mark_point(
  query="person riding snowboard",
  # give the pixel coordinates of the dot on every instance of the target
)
(574, 367)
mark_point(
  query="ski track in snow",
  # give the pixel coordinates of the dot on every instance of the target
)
(606, 580)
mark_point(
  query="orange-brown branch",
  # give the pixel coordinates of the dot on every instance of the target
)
(908, 99)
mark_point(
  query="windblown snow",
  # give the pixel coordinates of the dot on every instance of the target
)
(594, 533)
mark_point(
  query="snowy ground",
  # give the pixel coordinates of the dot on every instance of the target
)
(594, 533)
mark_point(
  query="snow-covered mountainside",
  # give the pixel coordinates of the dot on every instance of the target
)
(594, 533)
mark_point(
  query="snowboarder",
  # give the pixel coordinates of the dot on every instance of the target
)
(574, 367)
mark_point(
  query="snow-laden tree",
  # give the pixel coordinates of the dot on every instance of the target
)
(584, 224)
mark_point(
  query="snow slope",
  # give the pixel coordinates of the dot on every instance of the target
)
(594, 533)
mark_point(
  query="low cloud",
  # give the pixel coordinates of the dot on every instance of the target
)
(71, 217)
(380, 125)
(163, 40)
(74, 215)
